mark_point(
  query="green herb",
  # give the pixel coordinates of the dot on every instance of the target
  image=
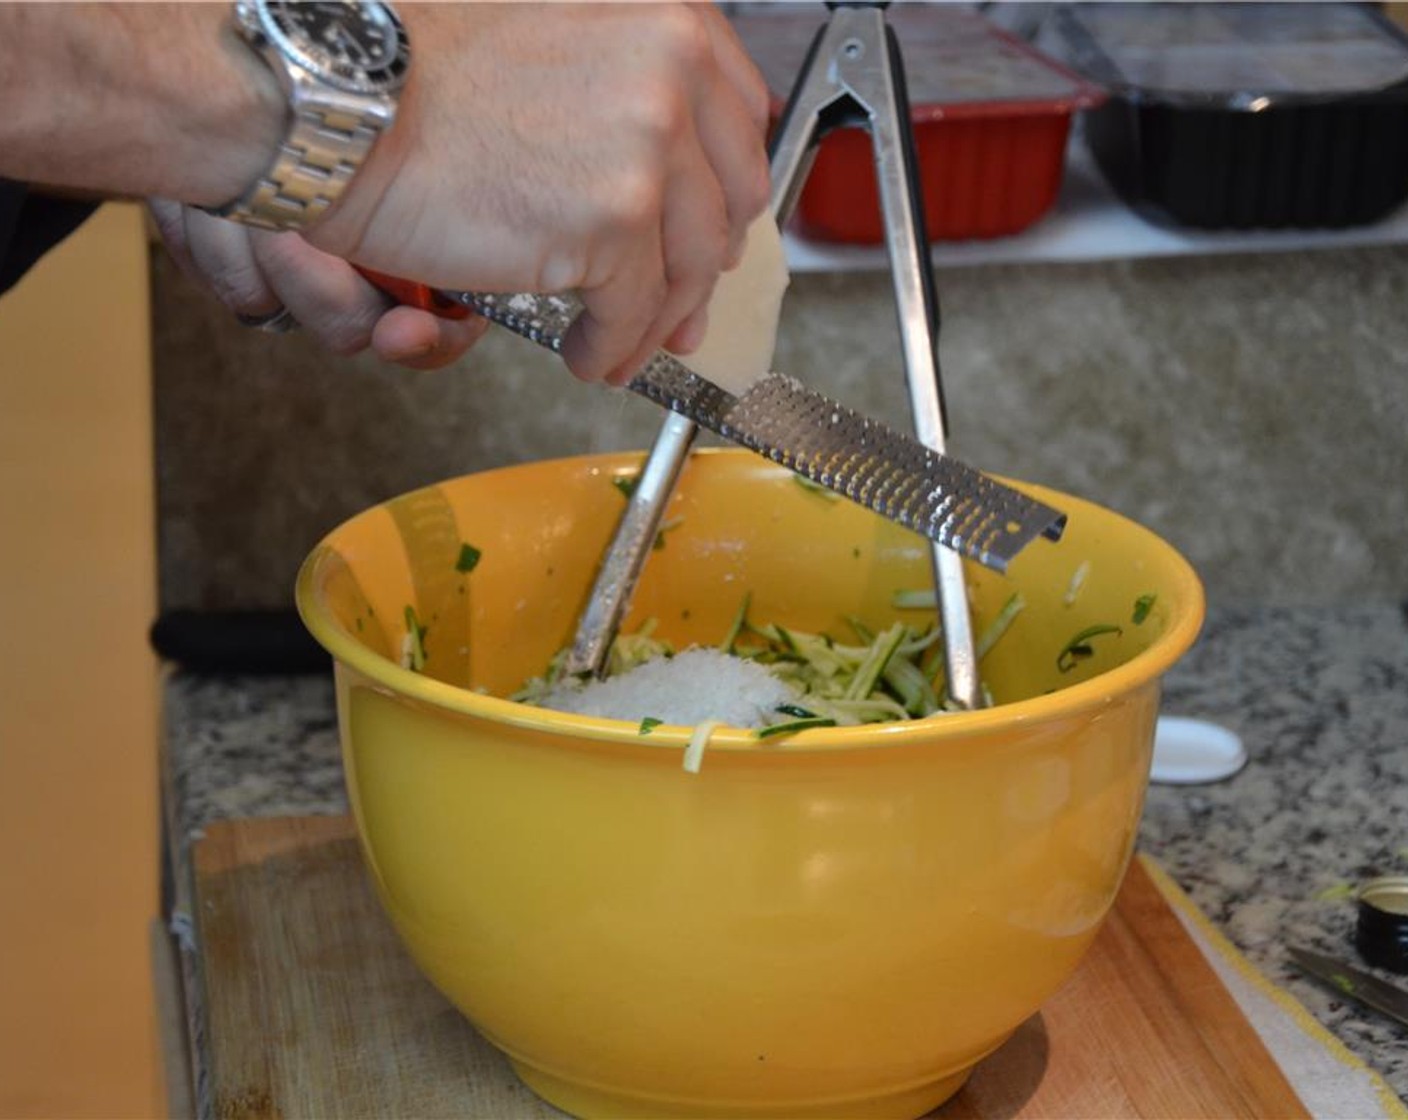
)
(1142, 606)
(1079, 647)
(626, 483)
(415, 646)
(915, 599)
(649, 724)
(1343, 983)
(1005, 617)
(1336, 893)
(469, 558)
(815, 488)
(796, 711)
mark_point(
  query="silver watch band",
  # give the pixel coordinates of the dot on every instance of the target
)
(323, 149)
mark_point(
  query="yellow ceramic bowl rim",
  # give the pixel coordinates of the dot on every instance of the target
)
(1093, 692)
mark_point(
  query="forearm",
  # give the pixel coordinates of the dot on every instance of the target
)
(134, 99)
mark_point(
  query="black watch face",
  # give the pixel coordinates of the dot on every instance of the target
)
(358, 46)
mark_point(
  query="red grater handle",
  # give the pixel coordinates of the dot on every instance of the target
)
(411, 294)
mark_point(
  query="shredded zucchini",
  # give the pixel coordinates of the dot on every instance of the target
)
(847, 685)
(740, 620)
(694, 750)
(1077, 582)
(665, 527)
(873, 665)
(413, 644)
(1079, 647)
(884, 676)
(915, 599)
(630, 650)
(1005, 617)
(773, 730)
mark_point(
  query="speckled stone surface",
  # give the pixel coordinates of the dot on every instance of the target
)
(1250, 408)
(1320, 698)
(1319, 695)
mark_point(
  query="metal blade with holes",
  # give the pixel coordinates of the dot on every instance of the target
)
(779, 418)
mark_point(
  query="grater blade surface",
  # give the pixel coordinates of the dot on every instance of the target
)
(778, 417)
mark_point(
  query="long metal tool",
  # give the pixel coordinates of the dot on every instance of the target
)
(779, 418)
(1385, 998)
(853, 76)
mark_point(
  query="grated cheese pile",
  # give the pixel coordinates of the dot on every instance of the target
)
(695, 686)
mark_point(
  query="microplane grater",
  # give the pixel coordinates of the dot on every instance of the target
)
(834, 446)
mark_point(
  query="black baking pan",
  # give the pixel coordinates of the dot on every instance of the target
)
(1246, 116)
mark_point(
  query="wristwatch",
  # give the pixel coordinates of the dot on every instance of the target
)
(341, 66)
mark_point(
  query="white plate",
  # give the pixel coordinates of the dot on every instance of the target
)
(1190, 751)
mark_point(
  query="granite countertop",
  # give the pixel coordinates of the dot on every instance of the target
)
(1318, 694)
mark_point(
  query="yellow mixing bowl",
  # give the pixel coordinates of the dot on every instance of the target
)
(838, 924)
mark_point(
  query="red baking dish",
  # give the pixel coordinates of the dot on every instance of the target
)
(991, 116)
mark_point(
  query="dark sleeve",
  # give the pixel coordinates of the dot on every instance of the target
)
(30, 225)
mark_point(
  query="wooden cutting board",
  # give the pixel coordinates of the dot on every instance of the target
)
(313, 1009)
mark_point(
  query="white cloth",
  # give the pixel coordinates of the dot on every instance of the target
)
(1331, 1081)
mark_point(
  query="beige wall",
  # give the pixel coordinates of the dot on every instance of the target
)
(78, 728)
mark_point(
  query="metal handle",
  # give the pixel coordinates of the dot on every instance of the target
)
(854, 76)
(892, 136)
(622, 563)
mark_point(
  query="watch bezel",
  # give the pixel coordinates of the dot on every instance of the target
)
(257, 16)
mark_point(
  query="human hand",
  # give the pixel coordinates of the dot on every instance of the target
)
(256, 273)
(617, 150)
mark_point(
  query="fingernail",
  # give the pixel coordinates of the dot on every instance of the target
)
(415, 353)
